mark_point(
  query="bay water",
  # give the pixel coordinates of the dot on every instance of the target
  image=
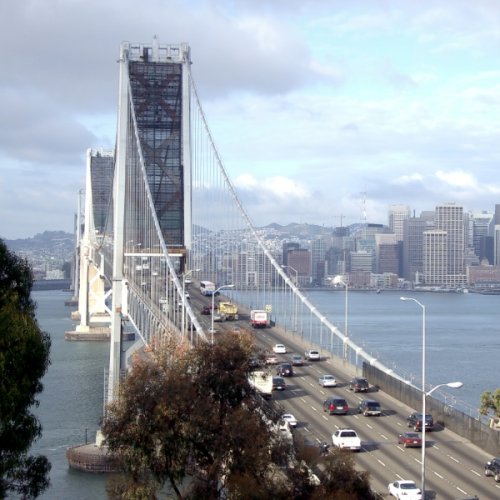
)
(462, 343)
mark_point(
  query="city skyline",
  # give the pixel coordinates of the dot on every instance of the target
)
(321, 113)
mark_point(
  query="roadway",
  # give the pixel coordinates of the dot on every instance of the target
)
(454, 467)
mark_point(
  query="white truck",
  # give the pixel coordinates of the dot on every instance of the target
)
(259, 318)
(262, 382)
(347, 439)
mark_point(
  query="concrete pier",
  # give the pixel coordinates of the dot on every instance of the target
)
(91, 458)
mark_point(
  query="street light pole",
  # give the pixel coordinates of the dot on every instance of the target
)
(212, 312)
(295, 302)
(336, 281)
(455, 385)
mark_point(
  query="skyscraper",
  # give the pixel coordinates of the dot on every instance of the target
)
(397, 215)
(481, 223)
(435, 257)
(450, 218)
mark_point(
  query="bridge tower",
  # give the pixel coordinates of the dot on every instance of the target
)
(153, 140)
(92, 312)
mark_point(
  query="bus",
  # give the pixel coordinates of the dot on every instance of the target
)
(207, 287)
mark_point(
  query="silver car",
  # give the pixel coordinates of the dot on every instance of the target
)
(327, 381)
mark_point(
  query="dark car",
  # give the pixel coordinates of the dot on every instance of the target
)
(279, 384)
(370, 408)
(410, 440)
(359, 384)
(492, 468)
(206, 310)
(336, 406)
(415, 420)
(285, 370)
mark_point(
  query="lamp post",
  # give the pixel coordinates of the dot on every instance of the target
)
(213, 305)
(295, 302)
(184, 276)
(455, 385)
(339, 280)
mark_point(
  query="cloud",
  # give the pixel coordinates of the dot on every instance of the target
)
(310, 103)
(457, 179)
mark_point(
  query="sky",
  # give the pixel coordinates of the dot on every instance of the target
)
(323, 111)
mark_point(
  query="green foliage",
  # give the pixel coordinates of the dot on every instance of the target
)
(24, 358)
(490, 401)
(341, 480)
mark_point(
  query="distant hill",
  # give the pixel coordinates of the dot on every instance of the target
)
(57, 243)
(301, 230)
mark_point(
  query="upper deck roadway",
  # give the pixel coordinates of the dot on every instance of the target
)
(454, 467)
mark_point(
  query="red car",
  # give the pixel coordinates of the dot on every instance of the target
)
(410, 440)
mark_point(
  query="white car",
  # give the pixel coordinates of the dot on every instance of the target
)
(405, 490)
(347, 439)
(288, 417)
(279, 349)
(312, 355)
(327, 381)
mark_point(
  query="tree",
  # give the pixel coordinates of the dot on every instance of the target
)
(24, 358)
(191, 413)
(340, 479)
(490, 401)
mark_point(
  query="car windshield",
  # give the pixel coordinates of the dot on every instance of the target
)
(372, 405)
(412, 435)
(408, 486)
(340, 402)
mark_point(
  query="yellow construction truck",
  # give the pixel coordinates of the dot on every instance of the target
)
(228, 311)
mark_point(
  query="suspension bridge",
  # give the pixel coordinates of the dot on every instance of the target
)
(160, 208)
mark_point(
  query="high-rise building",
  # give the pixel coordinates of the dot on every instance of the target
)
(362, 260)
(397, 215)
(300, 260)
(287, 246)
(387, 254)
(413, 245)
(450, 218)
(481, 226)
(435, 252)
(318, 253)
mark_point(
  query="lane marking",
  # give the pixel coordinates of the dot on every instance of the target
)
(476, 473)
(454, 459)
(381, 463)
(385, 437)
(438, 475)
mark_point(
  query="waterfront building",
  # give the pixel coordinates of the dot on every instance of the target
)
(435, 253)
(484, 276)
